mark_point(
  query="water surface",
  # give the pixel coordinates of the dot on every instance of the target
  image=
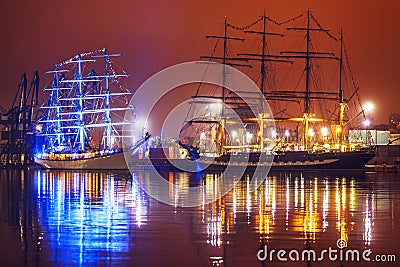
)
(66, 218)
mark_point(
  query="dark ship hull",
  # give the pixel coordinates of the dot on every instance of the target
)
(300, 160)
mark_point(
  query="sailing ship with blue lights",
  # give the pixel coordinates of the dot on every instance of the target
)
(83, 125)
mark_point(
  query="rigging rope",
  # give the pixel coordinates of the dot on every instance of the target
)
(245, 27)
(80, 55)
(350, 70)
(284, 22)
(327, 32)
(352, 79)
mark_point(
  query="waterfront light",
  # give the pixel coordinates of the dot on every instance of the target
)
(368, 107)
(249, 136)
(324, 131)
(311, 132)
(215, 106)
(234, 134)
(141, 124)
(366, 123)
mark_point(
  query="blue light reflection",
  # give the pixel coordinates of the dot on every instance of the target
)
(86, 218)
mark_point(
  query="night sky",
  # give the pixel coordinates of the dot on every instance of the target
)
(153, 35)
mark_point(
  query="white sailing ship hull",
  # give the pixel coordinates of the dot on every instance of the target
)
(115, 161)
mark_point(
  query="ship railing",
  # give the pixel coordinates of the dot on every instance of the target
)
(74, 156)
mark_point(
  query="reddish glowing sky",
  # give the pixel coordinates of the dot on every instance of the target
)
(155, 34)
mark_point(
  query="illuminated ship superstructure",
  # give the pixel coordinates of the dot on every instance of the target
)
(84, 115)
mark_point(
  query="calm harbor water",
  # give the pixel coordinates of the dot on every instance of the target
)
(66, 218)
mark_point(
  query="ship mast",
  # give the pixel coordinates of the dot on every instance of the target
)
(80, 97)
(342, 105)
(308, 55)
(56, 90)
(225, 62)
(80, 106)
(53, 119)
(307, 100)
(107, 104)
(263, 70)
(107, 96)
(223, 121)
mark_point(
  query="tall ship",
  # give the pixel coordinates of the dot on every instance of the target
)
(304, 74)
(82, 124)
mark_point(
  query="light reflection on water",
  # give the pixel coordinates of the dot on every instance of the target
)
(87, 213)
(104, 218)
